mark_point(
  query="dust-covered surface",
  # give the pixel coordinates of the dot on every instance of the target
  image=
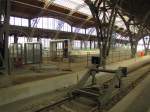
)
(137, 100)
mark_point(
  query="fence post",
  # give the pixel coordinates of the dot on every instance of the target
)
(119, 56)
(69, 61)
(87, 59)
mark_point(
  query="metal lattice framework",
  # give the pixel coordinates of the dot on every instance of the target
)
(35, 22)
(104, 14)
(136, 31)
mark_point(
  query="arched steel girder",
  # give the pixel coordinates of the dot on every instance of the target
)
(59, 18)
(61, 24)
(47, 4)
(140, 24)
(134, 35)
(104, 14)
(146, 39)
(144, 31)
(99, 7)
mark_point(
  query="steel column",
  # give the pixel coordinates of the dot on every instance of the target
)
(146, 42)
(104, 24)
(5, 32)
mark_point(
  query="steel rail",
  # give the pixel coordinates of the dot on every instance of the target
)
(55, 104)
(117, 97)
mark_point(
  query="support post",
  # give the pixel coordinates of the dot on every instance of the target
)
(81, 45)
(146, 42)
(6, 35)
(94, 45)
(90, 44)
(29, 23)
(38, 39)
(132, 37)
(104, 26)
(71, 29)
(133, 48)
(15, 39)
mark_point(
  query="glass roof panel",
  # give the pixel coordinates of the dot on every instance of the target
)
(75, 5)
(80, 6)
(119, 22)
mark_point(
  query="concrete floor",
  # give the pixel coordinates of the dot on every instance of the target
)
(31, 73)
(138, 100)
(35, 102)
(48, 69)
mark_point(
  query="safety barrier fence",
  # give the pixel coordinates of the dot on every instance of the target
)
(114, 56)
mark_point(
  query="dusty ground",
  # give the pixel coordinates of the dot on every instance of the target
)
(51, 69)
(34, 103)
(137, 100)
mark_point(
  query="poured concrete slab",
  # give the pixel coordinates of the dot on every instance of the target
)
(23, 91)
(137, 100)
(33, 95)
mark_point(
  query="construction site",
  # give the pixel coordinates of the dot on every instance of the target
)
(74, 55)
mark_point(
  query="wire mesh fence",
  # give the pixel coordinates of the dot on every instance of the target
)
(114, 56)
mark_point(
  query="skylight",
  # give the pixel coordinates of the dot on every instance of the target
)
(80, 6)
(77, 5)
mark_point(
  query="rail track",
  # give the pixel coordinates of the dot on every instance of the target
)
(83, 104)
